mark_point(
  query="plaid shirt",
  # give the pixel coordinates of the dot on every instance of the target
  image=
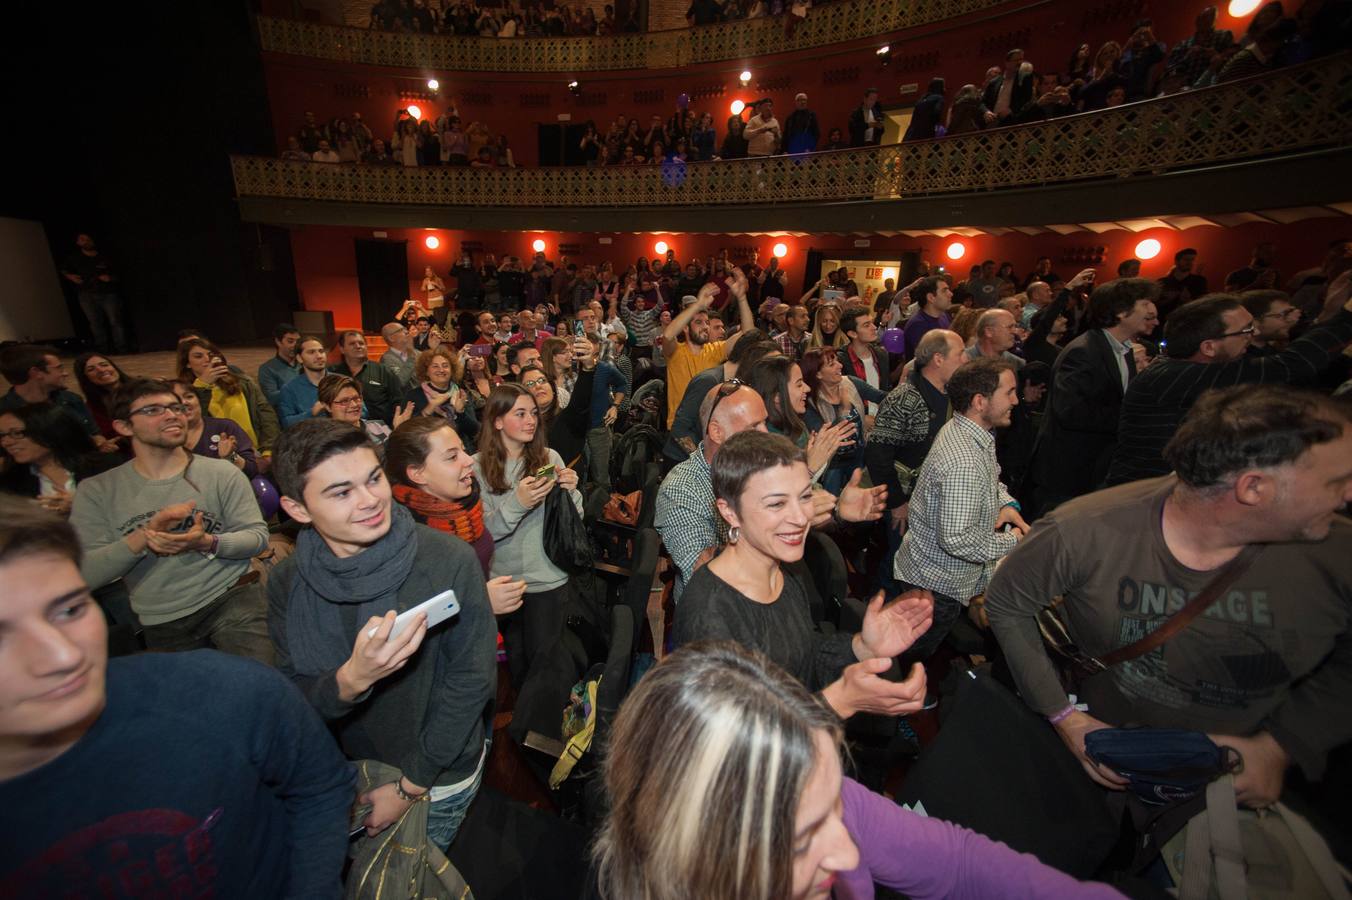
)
(789, 347)
(685, 517)
(951, 546)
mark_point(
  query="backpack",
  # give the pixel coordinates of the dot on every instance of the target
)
(648, 405)
(630, 455)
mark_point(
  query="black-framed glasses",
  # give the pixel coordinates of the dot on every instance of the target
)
(17, 434)
(1246, 331)
(725, 389)
(155, 410)
(534, 383)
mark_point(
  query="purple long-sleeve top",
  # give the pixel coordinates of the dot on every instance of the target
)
(929, 858)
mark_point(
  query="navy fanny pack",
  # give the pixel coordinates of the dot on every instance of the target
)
(1164, 765)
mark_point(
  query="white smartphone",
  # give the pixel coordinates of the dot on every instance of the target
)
(438, 609)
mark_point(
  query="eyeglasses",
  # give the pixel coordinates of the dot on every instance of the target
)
(1292, 313)
(155, 410)
(17, 434)
(534, 383)
(725, 389)
(1245, 331)
(350, 401)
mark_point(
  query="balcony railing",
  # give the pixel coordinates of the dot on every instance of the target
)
(1302, 108)
(832, 23)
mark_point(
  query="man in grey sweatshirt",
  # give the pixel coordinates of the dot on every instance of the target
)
(179, 529)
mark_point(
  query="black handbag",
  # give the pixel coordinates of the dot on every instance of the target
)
(1164, 765)
(567, 543)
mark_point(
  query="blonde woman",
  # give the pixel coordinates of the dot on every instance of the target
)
(826, 329)
(723, 778)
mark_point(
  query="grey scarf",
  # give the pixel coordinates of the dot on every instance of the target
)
(333, 596)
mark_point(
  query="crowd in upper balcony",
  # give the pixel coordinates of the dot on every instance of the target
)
(1017, 92)
(504, 20)
(1140, 68)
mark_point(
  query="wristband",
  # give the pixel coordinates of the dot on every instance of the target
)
(405, 795)
(1060, 717)
(1015, 504)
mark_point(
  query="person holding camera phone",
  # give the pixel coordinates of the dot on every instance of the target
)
(516, 470)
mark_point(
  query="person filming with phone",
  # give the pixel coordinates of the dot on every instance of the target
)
(332, 607)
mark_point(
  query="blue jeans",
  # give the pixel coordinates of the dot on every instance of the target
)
(444, 816)
(104, 312)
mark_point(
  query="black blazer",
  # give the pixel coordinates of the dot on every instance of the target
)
(1080, 432)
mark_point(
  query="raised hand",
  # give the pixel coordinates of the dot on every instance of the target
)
(890, 629)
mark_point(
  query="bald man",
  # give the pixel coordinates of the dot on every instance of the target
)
(994, 337)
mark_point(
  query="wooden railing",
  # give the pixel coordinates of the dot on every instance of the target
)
(832, 23)
(1297, 109)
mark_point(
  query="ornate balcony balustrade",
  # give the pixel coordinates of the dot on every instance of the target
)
(833, 23)
(1302, 108)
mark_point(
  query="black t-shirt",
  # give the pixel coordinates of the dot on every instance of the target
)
(1174, 292)
(206, 775)
(90, 268)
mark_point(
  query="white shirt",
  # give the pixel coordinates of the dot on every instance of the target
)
(871, 376)
(1120, 350)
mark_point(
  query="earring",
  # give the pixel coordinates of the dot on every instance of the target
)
(734, 533)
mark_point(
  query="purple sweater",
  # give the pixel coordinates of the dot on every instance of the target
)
(929, 858)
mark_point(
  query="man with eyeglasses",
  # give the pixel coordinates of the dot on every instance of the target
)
(37, 375)
(1205, 346)
(1273, 318)
(179, 529)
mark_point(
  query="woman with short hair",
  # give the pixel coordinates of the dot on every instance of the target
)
(45, 453)
(438, 393)
(723, 779)
(340, 396)
(215, 438)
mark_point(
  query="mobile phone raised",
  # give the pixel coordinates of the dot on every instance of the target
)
(438, 610)
(579, 329)
(545, 471)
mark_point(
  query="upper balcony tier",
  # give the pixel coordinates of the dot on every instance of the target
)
(1273, 140)
(833, 23)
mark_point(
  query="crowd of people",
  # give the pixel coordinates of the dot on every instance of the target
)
(1139, 68)
(1013, 93)
(965, 448)
(501, 20)
(443, 141)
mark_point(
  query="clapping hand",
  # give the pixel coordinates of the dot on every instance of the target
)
(860, 689)
(225, 444)
(889, 630)
(403, 415)
(859, 504)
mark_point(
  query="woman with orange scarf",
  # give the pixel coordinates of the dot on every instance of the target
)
(433, 477)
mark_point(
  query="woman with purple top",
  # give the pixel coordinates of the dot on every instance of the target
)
(216, 438)
(724, 780)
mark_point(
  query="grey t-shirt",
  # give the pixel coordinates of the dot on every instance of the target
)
(1274, 654)
(110, 506)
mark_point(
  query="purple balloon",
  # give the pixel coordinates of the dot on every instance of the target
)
(894, 340)
(269, 501)
(683, 101)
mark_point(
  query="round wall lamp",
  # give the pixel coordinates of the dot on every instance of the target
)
(745, 77)
(433, 84)
(1148, 249)
(538, 245)
(780, 250)
(1241, 8)
(955, 250)
(660, 248)
(414, 111)
(737, 107)
(432, 242)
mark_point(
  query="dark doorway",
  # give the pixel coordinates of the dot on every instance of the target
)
(561, 145)
(382, 280)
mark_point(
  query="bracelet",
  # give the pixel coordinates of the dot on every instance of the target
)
(1015, 504)
(1060, 717)
(405, 795)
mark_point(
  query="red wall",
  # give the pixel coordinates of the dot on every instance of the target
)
(834, 77)
(326, 272)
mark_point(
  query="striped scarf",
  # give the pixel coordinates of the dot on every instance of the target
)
(462, 518)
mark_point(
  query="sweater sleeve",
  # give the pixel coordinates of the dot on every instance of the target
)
(466, 672)
(502, 512)
(245, 534)
(297, 758)
(929, 858)
(1039, 568)
(106, 557)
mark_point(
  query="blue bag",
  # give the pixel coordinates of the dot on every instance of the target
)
(1164, 765)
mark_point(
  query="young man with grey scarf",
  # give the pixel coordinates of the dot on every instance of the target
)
(422, 701)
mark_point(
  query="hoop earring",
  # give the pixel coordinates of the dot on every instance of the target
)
(734, 534)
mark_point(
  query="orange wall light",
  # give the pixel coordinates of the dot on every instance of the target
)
(781, 250)
(1148, 249)
(660, 248)
(432, 241)
(538, 246)
(955, 250)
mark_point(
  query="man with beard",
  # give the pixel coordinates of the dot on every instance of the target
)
(697, 352)
(179, 529)
(299, 400)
